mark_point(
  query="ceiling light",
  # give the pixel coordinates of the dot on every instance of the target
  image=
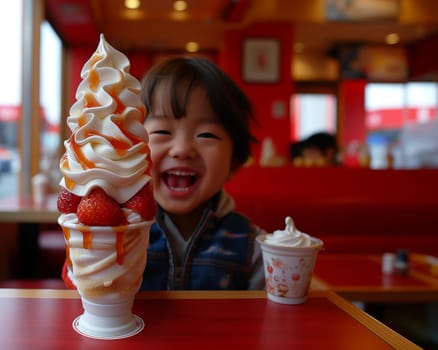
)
(132, 4)
(392, 39)
(192, 46)
(180, 5)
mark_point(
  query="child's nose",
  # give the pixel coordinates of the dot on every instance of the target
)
(182, 147)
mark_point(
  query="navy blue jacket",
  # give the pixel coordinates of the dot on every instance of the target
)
(218, 256)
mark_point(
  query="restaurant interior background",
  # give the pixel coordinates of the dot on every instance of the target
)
(365, 70)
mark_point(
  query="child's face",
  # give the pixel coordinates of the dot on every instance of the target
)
(313, 156)
(191, 156)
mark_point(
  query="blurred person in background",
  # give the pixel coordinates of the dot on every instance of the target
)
(319, 149)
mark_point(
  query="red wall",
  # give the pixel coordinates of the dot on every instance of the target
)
(140, 63)
(351, 95)
(264, 95)
(424, 57)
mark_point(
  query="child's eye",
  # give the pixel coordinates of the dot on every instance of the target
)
(208, 135)
(160, 132)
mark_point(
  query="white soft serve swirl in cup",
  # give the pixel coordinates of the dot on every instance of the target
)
(289, 237)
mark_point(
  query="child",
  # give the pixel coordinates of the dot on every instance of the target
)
(198, 126)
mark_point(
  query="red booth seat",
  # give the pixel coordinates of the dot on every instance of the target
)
(352, 210)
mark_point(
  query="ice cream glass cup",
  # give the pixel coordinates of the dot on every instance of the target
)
(288, 269)
(106, 265)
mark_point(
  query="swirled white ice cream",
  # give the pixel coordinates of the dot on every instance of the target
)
(289, 237)
(108, 147)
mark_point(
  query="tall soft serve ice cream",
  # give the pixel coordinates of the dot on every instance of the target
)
(106, 200)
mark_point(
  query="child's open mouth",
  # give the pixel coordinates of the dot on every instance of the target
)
(178, 180)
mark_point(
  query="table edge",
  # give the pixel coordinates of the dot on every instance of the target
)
(381, 330)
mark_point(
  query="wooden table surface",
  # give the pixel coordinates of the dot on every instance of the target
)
(42, 319)
(24, 210)
(359, 277)
(29, 218)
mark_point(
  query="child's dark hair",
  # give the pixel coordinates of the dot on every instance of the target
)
(230, 105)
(322, 141)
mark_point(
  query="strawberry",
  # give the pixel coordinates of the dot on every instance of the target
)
(143, 203)
(67, 202)
(99, 209)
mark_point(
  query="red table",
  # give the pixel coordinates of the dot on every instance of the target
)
(359, 277)
(41, 319)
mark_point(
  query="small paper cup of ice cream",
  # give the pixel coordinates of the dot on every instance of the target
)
(289, 257)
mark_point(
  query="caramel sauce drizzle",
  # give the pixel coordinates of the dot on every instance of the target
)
(90, 101)
(69, 183)
(67, 247)
(66, 233)
(67, 256)
(120, 105)
(87, 237)
(94, 79)
(86, 164)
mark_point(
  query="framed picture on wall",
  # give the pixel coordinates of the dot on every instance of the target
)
(261, 60)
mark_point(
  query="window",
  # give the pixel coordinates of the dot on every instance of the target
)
(10, 94)
(313, 139)
(402, 124)
(312, 113)
(50, 101)
(15, 156)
